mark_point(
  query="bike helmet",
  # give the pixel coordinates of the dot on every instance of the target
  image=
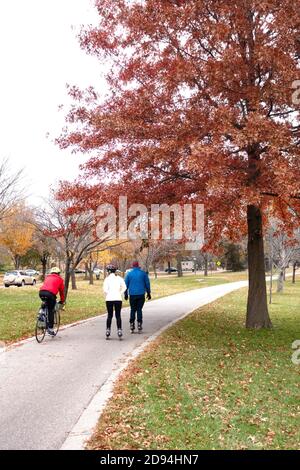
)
(55, 270)
(111, 268)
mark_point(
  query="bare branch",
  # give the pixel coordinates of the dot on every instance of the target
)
(10, 190)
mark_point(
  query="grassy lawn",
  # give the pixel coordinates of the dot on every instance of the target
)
(18, 306)
(226, 388)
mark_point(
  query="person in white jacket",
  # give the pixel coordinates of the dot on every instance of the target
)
(114, 287)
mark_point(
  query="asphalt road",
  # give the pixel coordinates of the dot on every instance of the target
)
(45, 388)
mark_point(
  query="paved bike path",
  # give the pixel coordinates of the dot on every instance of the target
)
(45, 388)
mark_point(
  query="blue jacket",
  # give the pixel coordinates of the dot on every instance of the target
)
(137, 282)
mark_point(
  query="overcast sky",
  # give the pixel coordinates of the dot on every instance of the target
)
(39, 54)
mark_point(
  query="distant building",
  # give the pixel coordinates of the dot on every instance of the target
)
(187, 265)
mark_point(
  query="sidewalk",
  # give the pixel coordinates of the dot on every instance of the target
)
(44, 389)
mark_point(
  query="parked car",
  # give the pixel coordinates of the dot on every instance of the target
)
(32, 272)
(170, 270)
(97, 272)
(79, 271)
(18, 278)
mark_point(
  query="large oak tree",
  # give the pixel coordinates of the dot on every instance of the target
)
(200, 109)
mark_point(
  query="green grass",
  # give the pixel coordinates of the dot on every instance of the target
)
(169, 285)
(18, 306)
(226, 388)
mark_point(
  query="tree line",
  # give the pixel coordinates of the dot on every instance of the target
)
(56, 234)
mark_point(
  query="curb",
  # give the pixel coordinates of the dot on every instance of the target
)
(88, 420)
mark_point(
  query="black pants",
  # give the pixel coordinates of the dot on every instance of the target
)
(111, 305)
(50, 300)
(136, 307)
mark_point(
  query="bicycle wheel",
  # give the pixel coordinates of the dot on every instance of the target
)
(56, 321)
(40, 326)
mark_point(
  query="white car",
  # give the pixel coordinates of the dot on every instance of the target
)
(98, 272)
(18, 278)
(32, 272)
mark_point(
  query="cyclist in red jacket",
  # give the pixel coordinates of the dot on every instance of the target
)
(53, 285)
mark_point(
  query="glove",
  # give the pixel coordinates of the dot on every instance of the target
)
(126, 295)
(148, 296)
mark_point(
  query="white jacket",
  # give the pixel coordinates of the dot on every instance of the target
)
(113, 287)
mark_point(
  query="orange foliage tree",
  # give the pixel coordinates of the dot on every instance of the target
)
(200, 110)
(16, 233)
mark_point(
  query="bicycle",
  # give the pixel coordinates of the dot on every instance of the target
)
(42, 320)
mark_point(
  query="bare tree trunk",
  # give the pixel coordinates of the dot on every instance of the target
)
(91, 273)
(155, 271)
(257, 307)
(73, 278)
(67, 277)
(169, 267)
(179, 265)
(17, 261)
(205, 264)
(44, 267)
(123, 266)
(294, 272)
(271, 270)
(87, 272)
(280, 281)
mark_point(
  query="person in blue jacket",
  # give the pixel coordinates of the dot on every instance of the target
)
(138, 284)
